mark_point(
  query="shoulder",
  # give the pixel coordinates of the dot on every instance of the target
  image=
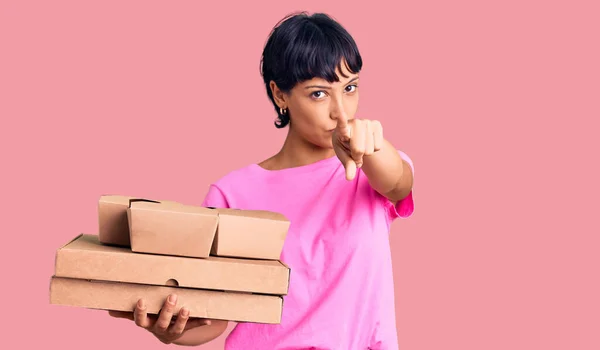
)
(227, 190)
(235, 177)
(218, 193)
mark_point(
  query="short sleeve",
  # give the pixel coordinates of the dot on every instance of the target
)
(405, 207)
(215, 198)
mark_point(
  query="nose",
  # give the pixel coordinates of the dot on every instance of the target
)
(337, 110)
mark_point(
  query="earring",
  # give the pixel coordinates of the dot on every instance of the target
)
(282, 111)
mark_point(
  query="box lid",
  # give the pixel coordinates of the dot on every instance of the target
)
(85, 257)
(126, 200)
(169, 206)
(107, 295)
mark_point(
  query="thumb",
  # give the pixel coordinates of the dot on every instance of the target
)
(349, 166)
(350, 169)
(197, 322)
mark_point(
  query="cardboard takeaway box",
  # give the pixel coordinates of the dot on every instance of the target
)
(156, 226)
(93, 275)
(257, 234)
(112, 218)
(173, 228)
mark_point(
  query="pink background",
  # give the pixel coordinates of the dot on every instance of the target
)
(497, 104)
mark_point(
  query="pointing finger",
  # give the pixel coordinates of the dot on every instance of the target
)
(357, 142)
(342, 126)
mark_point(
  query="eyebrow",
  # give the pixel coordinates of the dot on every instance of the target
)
(327, 87)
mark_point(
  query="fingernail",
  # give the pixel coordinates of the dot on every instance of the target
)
(172, 298)
(185, 312)
(207, 322)
(141, 304)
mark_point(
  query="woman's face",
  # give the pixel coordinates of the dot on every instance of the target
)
(315, 105)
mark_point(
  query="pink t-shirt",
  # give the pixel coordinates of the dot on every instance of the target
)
(341, 293)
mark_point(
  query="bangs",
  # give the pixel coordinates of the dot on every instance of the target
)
(317, 55)
(304, 47)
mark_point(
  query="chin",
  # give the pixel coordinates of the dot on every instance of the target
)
(323, 143)
(327, 144)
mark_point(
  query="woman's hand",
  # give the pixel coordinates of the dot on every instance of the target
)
(163, 326)
(352, 140)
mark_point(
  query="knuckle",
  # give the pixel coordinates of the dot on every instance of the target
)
(138, 312)
(176, 331)
(162, 326)
(359, 150)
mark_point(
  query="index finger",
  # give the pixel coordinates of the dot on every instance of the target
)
(166, 314)
(140, 315)
(342, 125)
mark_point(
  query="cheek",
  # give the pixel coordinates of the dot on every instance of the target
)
(310, 115)
(352, 106)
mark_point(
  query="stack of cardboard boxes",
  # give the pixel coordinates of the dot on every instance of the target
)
(222, 263)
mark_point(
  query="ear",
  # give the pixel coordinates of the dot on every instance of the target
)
(278, 95)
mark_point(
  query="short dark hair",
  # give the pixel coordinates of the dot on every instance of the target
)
(302, 47)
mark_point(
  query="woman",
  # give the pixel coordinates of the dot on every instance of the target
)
(338, 181)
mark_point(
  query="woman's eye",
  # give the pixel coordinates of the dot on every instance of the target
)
(316, 94)
(349, 88)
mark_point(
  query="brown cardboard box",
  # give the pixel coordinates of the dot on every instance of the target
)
(168, 228)
(86, 258)
(112, 219)
(106, 295)
(254, 234)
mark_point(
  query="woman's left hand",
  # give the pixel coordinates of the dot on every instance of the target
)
(355, 139)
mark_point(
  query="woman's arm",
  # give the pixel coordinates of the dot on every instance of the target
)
(202, 335)
(360, 143)
(388, 173)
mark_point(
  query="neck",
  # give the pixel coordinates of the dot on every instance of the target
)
(297, 152)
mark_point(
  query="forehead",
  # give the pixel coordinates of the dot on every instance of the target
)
(344, 75)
